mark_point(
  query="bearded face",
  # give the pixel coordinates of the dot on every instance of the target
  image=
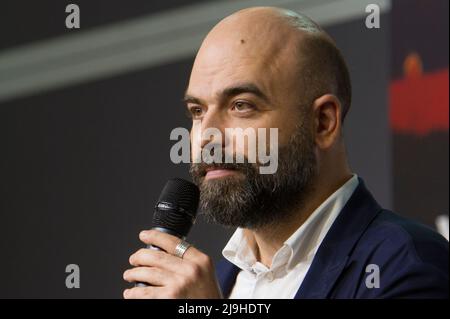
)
(252, 200)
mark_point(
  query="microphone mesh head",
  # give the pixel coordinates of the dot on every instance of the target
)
(181, 193)
(177, 206)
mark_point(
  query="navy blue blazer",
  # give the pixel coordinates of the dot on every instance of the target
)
(412, 258)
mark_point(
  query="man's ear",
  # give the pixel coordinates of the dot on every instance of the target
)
(327, 113)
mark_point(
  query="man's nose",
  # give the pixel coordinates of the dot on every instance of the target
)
(213, 127)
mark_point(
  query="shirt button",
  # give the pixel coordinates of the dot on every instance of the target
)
(270, 276)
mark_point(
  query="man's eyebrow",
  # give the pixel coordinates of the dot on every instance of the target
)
(231, 91)
(244, 88)
(191, 99)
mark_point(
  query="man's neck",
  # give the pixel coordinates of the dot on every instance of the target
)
(266, 241)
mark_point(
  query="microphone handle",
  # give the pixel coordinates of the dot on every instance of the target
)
(164, 230)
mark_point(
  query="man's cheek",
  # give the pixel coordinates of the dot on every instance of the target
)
(268, 152)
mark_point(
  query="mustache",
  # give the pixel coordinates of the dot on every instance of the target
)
(200, 169)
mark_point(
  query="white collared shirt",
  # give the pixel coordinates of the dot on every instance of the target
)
(292, 261)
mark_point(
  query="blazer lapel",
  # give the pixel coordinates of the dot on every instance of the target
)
(333, 253)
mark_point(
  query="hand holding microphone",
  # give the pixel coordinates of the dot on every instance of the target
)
(169, 267)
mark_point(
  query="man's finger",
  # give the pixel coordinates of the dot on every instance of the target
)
(154, 258)
(166, 242)
(144, 293)
(150, 275)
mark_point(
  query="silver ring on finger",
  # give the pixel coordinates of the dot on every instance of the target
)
(181, 248)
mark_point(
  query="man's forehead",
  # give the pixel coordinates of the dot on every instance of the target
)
(209, 78)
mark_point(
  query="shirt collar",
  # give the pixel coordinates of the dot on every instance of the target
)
(238, 251)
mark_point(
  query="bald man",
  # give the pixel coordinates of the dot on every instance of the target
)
(311, 229)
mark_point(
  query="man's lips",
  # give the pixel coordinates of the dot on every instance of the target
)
(218, 172)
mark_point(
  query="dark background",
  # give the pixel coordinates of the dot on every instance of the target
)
(82, 166)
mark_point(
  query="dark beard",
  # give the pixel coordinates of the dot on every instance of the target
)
(255, 200)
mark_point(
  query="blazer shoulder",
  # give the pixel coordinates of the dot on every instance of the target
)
(412, 259)
(394, 235)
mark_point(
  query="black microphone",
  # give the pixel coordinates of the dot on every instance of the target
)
(175, 210)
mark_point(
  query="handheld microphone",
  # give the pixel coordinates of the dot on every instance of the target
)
(175, 210)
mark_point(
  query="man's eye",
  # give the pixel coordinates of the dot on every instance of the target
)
(242, 106)
(196, 111)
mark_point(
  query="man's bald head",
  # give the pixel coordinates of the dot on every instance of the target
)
(285, 40)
